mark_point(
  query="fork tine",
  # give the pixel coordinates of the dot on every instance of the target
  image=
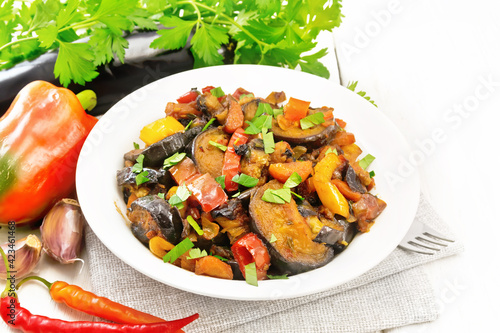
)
(414, 249)
(430, 241)
(424, 246)
(438, 237)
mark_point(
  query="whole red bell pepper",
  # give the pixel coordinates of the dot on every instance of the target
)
(41, 136)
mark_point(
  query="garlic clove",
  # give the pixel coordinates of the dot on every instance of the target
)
(23, 256)
(62, 231)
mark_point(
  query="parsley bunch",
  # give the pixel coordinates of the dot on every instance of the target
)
(90, 33)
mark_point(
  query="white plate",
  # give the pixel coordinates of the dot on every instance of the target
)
(114, 134)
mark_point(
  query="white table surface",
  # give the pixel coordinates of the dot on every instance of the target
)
(426, 64)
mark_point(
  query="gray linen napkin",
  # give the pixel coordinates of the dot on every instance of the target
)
(394, 293)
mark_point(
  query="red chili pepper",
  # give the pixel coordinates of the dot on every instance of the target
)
(20, 318)
(188, 97)
(41, 134)
(231, 166)
(248, 249)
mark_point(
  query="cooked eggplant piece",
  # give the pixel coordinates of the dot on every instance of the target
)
(126, 176)
(312, 138)
(155, 154)
(250, 108)
(237, 275)
(152, 216)
(133, 155)
(366, 210)
(229, 210)
(328, 235)
(306, 209)
(294, 251)
(209, 105)
(353, 180)
(233, 219)
(208, 158)
(276, 97)
(256, 161)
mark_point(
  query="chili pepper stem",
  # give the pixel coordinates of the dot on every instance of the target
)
(6, 263)
(34, 277)
(88, 99)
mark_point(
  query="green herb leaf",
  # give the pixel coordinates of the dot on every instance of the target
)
(175, 36)
(279, 196)
(181, 195)
(161, 195)
(136, 145)
(196, 253)
(263, 108)
(278, 277)
(372, 174)
(245, 180)
(273, 239)
(188, 125)
(178, 250)
(268, 141)
(219, 257)
(218, 145)
(259, 123)
(246, 95)
(141, 178)
(277, 112)
(236, 194)
(208, 124)
(206, 43)
(173, 160)
(352, 86)
(251, 274)
(195, 225)
(312, 120)
(331, 151)
(137, 168)
(366, 161)
(293, 181)
(217, 92)
(222, 181)
(75, 63)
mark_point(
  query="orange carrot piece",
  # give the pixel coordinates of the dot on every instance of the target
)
(346, 190)
(214, 267)
(282, 171)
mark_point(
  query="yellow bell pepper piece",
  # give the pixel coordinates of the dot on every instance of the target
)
(160, 129)
(328, 193)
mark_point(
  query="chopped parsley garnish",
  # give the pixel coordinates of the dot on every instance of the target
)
(178, 250)
(273, 239)
(278, 277)
(236, 194)
(293, 180)
(218, 145)
(137, 168)
(298, 196)
(219, 257)
(181, 195)
(141, 178)
(251, 274)
(268, 139)
(312, 120)
(136, 145)
(263, 108)
(188, 125)
(161, 195)
(279, 196)
(246, 95)
(222, 181)
(208, 124)
(245, 180)
(366, 161)
(258, 124)
(277, 112)
(196, 253)
(195, 225)
(372, 174)
(330, 151)
(173, 160)
(217, 92)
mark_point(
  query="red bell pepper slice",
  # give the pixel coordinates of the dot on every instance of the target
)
(231, 166)
(188, 97)
(296, 109)
(207, 192)
(248, 249)
(207, 89)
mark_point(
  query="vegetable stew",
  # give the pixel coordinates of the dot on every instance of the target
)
(236, 186)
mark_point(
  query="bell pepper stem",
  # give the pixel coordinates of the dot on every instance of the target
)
(88, 99)
(34, 277)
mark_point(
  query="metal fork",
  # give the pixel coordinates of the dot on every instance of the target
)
(424, 240)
